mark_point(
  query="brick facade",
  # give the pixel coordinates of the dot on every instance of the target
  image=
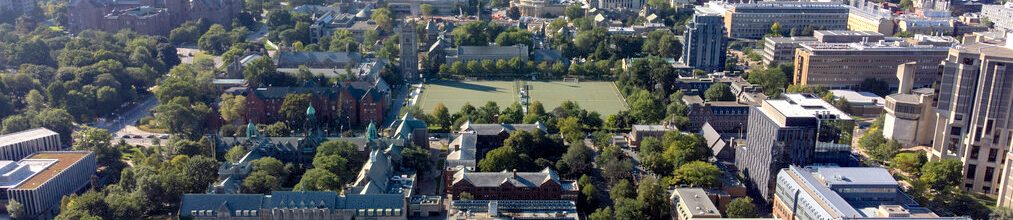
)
(146, 16)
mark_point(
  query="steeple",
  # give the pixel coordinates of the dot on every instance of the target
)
(251, 130)
(371, 133)
(311, 120)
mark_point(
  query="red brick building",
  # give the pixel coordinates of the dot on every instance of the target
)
(345, 105)
(542, 185)
(155, 17)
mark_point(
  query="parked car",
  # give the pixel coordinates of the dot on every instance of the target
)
(434, 138)
(137, 136)
(164, 136)
(126, 136)
(151, 136)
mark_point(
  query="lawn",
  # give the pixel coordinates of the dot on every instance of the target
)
(602, 97)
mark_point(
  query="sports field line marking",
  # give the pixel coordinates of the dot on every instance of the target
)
(615, 91)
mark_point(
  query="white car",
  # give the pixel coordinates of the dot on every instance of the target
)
(434, 138)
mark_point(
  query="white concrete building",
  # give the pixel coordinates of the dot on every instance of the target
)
(17, 145)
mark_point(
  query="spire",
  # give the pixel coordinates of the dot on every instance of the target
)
(311, 111)
(251, 130)
(311, 120)
(371, 133)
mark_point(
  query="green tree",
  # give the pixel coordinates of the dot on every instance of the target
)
(719, 92)
(742, 208)
(16, 209)
(270, 166)
(578, 159)
(940, 174)
(698, 174)
(215, 40)
(260, 182)
(293, 108)
(602, 213)
(235, 154)
(278, 129)
(570, 129)
(574, 11)
(907, 5)
(417, 158)
(908, 161)
(382, 18)
(514, 13)
(232, 107)
(655, 197)
(257, 70)
(775, 30)
(514, 36)
(466, 196)
(182, 117)
(622, 190)
(426, 9)
(499, 159)
(644, 107)
(629, 209)
(318, 179)
(662, 43)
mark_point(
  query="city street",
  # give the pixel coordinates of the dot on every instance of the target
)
(123, 124)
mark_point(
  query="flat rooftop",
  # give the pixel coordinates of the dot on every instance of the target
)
(859, 97)
(696, 200)
(64, 159)
(791, 39)
(805, 105)
(855, 176)
(25, 135)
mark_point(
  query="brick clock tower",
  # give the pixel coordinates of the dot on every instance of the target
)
(409, 51)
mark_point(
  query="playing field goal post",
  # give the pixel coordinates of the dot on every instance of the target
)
(571, 79)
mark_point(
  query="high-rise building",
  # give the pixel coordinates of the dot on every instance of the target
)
(705, 41)
(409, 52)
(799, 130)
(846, 65)
(17, 145)
(1001, 16)
(974, 111)
(866, 16)
(781, 50)
(754, 20)
(910, 117)
(844, 193)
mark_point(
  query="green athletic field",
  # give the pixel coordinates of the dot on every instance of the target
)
(602, 97)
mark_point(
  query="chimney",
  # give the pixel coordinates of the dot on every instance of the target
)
(905, 75)
(515, 173)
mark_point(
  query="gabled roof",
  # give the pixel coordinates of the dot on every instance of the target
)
(516, 179)
(303, 199)
(496, 129)
(463, 150)
(210, 203)
(317, 59)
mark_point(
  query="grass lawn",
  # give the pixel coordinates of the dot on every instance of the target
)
(602, 97)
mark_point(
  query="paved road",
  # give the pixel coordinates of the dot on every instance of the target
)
(257, 35)
(124, 123)
(398, 102)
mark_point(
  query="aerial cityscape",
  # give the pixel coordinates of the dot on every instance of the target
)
(506, 109)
